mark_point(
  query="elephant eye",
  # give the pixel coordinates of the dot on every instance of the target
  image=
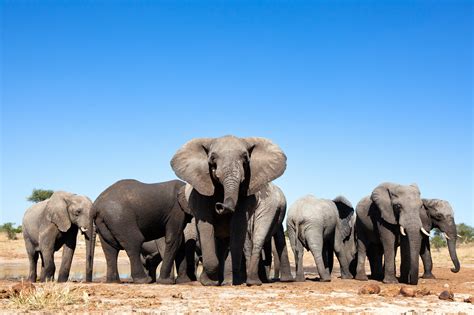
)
(397, 206)
(438, 216)
(78, 211)
(245, 157)
(212, 159)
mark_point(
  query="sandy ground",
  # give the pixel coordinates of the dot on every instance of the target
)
(309, 297)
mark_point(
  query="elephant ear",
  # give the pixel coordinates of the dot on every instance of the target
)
(346, 213)
(56, 210)
(190, 163)
(267, 162)
(425, 214)
(381, 197)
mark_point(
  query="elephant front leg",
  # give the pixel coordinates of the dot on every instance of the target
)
(282, 256)
(425, 254)
(49, 268)
(389, 251)
(238, 239)
(173, 243)
(210, 272)
(66, 261)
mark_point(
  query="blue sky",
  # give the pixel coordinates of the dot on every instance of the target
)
(356, 93)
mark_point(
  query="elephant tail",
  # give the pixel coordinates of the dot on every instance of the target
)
(90, 248)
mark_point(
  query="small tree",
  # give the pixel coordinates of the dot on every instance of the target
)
(39, 195)
(465, 232)
(10, 230)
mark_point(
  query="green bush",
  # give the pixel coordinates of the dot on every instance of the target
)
(10, 230)
(465, 232)
(39, 195)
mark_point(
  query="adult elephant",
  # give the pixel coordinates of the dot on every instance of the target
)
(129, 213)
(390, 216)
(439, 214)
(50, 224)
(323, 227)
(225, 174)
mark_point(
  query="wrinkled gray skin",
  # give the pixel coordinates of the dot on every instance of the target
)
(50, 224)
(315, 224)
(437, 213)
(265, 224)
(378, 224)
(225, 174)
(153, 251)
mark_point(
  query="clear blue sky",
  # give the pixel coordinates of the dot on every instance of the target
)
(356, 93)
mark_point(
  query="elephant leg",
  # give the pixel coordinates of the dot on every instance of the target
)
(210, 263)
(191, 261)
(375, 255)
(173, 242)
(276, 260)
(225, 261)
(282, 256)
(328, 250)
(237, 241)
(49, 269)
(361, 256)
(389, 251)
(182, 264)
(298, 251)
(265, 263)
(425, 254)
(315, 243)
(66, 261)
(111, 254)
(33, 259)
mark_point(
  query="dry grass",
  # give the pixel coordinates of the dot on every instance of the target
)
(49, 296)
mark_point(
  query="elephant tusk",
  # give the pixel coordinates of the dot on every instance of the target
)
(424, 231)
(446, 235)
(459, 236)
(83, 229)
(402, 230)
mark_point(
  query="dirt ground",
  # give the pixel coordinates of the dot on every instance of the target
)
(311, 296)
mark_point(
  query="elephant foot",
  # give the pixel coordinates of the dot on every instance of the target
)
(251, 282)
(205, 280)
(300, 278)
(287, 278)
(144, 280)
(390, 280)
(236, 280)
(428, 276)
(325, 279)
(62, 279)
(183, 279)
(165, 281)
(226, 282)
(113, 280)
(345, 276)
(361, 277)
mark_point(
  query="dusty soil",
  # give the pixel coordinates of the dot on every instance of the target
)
(309, 297)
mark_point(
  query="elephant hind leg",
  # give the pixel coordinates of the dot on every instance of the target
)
(315, 244)
(33, 259)
(298, 251)
(282, 255)
(111, 254)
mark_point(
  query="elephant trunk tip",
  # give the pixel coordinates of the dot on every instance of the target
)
(227, 206)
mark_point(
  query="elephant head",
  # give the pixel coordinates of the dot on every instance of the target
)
(442, 217)
(64, 209)
(228, 167)
(400, 205)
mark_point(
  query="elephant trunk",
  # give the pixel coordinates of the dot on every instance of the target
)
(231, 186)
(90, 247)
(415, 246)
(453, 254)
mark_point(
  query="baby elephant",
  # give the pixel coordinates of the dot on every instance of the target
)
(50, 224)
(322, 226)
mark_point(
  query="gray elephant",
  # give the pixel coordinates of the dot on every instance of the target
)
(129, 213)
(225, 174)
(50, 224)
(323, 227)
(437, 213)
(390, 216)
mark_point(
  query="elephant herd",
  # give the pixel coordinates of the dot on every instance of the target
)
(228, 215)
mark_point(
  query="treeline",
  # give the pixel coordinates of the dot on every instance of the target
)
(465, 235)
